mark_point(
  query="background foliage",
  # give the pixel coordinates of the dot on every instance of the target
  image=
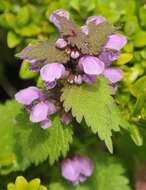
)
(26, 21)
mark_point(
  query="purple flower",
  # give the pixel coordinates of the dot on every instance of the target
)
(77, 169)
(66, 118)
(46, 124)
(116, 41)
(61, 43)
(91, 65)
(75, 54)
(89, 78)
(113, 74)
(61, 13)
(28, 95)
(78, 79)
(50, 85)
(52, 71)
(41, 111)
(98, 19)
(108, 55)
(84, 29)
(85, 165)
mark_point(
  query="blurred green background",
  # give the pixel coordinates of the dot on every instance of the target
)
(24, 22)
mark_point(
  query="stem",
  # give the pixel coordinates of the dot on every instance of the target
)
(9, 89)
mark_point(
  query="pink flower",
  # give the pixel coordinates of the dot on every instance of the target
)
(52, 71)
(91, 65)
(116, 41)
(28, 95)
(113, 74)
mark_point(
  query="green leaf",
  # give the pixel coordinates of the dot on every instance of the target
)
(108, 174)
(139, 87)
(29, 30)
(23, 16)
(95, 104)
(44, 51)
(124, 58)
(27, 141)
(140, 39)
(98, 35)
(7, 122)
(25, 73)
(22, 184)
(34, 145)
(142, 15)
(67, 26)
(13, 39)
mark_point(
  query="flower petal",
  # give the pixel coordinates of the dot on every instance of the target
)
(39, 112)
(84, 29)
(28, 95)
(113, 74)
(46, 124)
(52, 71)
(60, 12)
(85, 165)
(108, 55)
(66, 118)
(98, 19)
(69, 171)
(116, 41)
(91, 65)
(89, 78)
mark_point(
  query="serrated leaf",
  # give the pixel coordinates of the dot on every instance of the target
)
(95, 104)
(45, 51)
(79, 41)
(98, 35)
(108, 174)
(67, 26)
(34, 145)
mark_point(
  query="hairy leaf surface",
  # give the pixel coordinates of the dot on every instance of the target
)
(95, 104)
(44, 51)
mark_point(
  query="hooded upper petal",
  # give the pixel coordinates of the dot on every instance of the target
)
(69, 171)
(113, 74)
(116, 41)
(52, 71)
(28, 95)
(108, 55)
(98, 19)
(39, 112)
(60, 12)
(91, 65)
(84, 164)
(46, 124)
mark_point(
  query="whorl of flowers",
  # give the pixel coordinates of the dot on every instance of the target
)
(77, 57)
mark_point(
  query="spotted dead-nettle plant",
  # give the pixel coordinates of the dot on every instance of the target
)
(79, 79)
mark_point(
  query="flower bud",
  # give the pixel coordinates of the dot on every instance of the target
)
(74, 54)
(61, 43)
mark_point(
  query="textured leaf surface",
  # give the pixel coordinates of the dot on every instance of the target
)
(67, 26)
(98, 35)
(95, 104)
(79, 41)
(45, 51)
(34, 145)
(28, 141)
(108, 174)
